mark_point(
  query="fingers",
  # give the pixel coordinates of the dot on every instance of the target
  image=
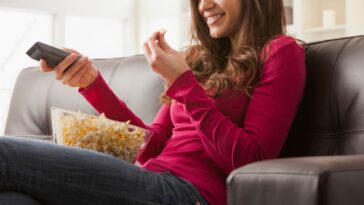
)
(72, 51)
(64, 64)
(77, 79)
(74, 69)
(59, 68)
(152, 50)
(44, 66)
(163, 43)
(156, 49)
(147, 51)
(153, 46)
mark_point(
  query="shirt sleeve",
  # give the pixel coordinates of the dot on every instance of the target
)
(104, 100)
(268, 118)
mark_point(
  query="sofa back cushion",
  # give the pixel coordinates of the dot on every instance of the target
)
(330, 120)
(36, 92)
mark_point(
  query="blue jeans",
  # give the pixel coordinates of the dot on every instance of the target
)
(55, 174)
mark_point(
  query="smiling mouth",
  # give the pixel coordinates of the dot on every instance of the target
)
(213, 19)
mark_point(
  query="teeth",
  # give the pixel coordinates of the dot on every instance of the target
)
(213, 19)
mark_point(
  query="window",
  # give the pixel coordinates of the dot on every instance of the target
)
(169, 24)
(98, 29)
(174, 18)
(17, 36)
(96, 37)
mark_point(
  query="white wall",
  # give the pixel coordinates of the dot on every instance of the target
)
(354, 17)
(142, 17)
(106, 8)
(164, 14)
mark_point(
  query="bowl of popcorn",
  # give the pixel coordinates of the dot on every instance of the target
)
(119, 139)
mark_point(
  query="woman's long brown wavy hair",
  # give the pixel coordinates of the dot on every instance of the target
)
(217, 64)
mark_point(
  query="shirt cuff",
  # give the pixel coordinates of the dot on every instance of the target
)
(183, 86)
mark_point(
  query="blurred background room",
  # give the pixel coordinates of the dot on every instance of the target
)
(118, 28)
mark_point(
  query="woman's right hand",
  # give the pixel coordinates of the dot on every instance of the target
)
(81, 74)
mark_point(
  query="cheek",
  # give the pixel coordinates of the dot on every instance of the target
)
(236, 12)
(235, 18)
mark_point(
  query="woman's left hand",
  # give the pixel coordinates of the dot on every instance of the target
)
(163, 59)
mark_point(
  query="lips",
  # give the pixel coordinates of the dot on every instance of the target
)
(212, 19)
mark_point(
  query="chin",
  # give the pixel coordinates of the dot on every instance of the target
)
(215, 34)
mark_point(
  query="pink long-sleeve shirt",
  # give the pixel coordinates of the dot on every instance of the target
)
(202, 139)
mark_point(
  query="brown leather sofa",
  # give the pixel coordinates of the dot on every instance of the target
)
(320, 164)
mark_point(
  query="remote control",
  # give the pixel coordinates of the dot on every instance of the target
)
(50, 54)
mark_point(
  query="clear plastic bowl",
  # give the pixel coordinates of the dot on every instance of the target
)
(98, 133)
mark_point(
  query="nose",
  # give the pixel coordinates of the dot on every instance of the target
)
(204, 5)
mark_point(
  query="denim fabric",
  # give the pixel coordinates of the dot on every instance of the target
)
(59, 175)
(16, 198)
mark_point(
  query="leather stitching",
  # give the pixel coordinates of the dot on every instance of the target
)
(333, 105)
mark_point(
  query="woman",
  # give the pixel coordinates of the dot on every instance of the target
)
(230, 100)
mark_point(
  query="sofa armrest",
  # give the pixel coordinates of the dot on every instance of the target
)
(329, 180)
